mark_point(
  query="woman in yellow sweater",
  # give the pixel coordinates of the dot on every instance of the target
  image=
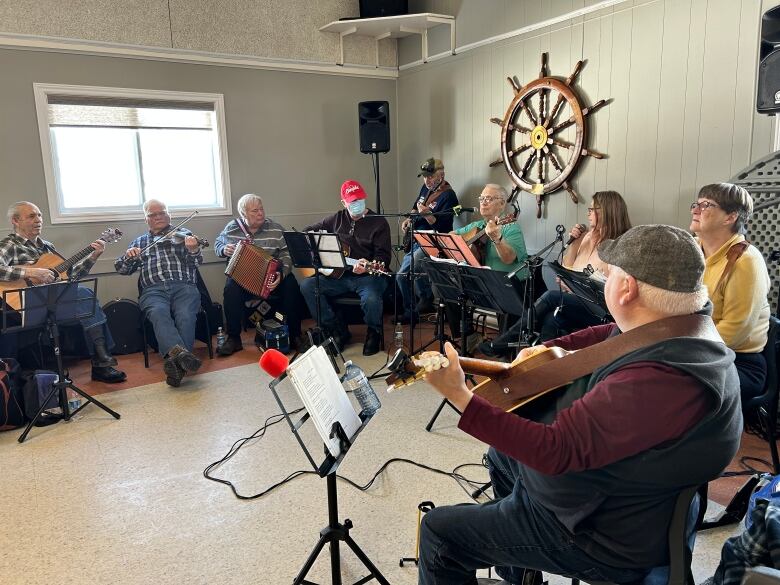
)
(736, 277)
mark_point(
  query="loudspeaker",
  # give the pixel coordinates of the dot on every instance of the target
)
(374, 126)
(377, 8)
(768, 98)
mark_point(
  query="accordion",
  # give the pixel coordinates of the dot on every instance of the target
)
(253, 268)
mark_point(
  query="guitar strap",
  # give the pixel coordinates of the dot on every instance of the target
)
(508, 392)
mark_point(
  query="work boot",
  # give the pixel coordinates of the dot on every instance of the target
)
(231, 346)
(173, 372)
(371, 346)
(186, 360)
(102, 357)
(107, 374)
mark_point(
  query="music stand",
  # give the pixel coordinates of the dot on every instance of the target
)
(471, 287)
(51, 305)
(335, 531)
(316, 250)
(588, 290)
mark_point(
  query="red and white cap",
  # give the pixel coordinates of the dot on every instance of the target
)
(352, 191)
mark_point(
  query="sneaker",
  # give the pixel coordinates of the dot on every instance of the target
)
(231, 346)
(186, 360)
(371, 346)
(173, 372)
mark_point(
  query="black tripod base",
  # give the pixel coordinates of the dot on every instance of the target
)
(737, 508)
(333, 535)
(60, 389)
(436, 414)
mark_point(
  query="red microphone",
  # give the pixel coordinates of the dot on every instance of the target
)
(273, 362)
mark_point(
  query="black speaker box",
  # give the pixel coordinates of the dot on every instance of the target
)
(374, 126)
(377, 8)
(768, 95)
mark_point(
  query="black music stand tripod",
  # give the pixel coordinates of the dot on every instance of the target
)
(51, 305)
(471, 287)
(335, 532)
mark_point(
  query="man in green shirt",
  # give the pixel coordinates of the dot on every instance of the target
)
(504, 249)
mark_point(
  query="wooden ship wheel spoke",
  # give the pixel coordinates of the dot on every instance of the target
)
(538, 159)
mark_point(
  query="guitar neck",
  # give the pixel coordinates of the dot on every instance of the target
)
(480, 367)
(68, 264)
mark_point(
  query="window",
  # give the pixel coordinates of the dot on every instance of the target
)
(107, 150)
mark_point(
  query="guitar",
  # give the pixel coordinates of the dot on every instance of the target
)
(56, 264)
(476, 238)
(371, 266)
(406, 371)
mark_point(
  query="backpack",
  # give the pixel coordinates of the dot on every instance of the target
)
(11, 404)
(37, 386)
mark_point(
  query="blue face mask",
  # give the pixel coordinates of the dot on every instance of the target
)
(357, 207)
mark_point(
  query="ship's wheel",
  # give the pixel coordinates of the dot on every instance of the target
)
(544, 134)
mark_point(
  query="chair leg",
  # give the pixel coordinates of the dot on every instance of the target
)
(146, 344)
(772, 436)
(208, 337)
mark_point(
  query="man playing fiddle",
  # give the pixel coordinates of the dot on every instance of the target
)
(169, 298)
(285, 295)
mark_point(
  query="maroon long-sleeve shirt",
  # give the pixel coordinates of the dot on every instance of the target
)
(633, 409)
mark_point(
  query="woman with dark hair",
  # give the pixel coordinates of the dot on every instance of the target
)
(560, 312)
(736, 277)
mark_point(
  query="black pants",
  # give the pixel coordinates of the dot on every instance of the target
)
(751, 369)
(286, 299)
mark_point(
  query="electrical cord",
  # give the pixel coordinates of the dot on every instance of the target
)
(466, 484)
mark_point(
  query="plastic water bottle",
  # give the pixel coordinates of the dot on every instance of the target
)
(354, 379)
(74, 402)
(220, 337)
(398, 337)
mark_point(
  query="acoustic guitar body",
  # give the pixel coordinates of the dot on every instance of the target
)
(14, 300)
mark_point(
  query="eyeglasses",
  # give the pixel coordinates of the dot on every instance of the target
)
(487, 199)
(157, 214)
(702, 205)
(593, 209)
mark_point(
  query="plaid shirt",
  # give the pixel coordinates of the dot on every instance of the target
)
(164, 262)
(16, 252)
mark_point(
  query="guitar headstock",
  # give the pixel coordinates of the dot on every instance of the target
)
(406, 370)
(110, 235)
(376, 267)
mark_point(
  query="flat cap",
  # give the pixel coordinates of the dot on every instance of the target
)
(660, 255)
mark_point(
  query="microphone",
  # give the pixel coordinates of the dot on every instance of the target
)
(458, 209)
(583, 228)
(273, 362)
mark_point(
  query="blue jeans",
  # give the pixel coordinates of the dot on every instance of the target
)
(422, 285)
(369, 288)
(508, 533)
(172, 308)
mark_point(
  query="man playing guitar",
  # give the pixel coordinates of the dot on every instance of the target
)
(21, 249)
(368, 238)
(585, 485)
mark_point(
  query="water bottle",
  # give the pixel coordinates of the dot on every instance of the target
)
(354, 379)
(398, 337)
(74, 402)
(220, 337)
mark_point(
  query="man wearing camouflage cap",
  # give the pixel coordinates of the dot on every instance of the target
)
(586, 488)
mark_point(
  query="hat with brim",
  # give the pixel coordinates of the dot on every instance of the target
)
(429, 167)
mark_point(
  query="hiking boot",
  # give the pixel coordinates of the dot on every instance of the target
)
(186, 360)
(173, 372)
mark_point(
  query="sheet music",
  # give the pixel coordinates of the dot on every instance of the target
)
(324, 397)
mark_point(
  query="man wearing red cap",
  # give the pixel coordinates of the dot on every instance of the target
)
(368, 238)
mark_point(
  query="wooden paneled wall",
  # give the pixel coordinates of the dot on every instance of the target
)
(681, 74)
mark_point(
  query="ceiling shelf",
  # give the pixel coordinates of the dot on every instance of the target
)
(391, 27)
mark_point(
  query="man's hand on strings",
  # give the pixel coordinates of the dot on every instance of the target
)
(360, 267)
(450, 381)
(492, 229)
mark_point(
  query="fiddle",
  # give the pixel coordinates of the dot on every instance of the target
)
(177, 237)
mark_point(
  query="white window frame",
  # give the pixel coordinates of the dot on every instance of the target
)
(56, 216)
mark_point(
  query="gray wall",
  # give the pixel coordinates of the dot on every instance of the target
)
(681, 74)
(263, 28)
(292, 138)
